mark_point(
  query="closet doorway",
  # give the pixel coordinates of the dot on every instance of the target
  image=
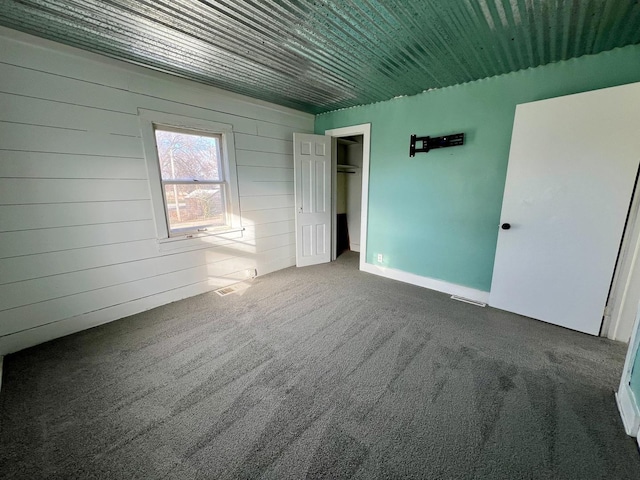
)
(350, 148)
(348, 193)
(316, 223)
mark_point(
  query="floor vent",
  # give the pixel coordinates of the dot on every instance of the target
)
(238, 288)
(226, 290)
(468, 300)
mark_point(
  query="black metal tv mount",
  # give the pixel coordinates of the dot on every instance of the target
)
(430, 143)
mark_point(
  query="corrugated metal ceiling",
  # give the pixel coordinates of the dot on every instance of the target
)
(323, 55)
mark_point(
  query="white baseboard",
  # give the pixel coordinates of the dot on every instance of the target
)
(28, 338)
(34, 336)
(629, 412)
(265, 268)
(426, 282)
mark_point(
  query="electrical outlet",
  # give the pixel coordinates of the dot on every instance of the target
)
(379, 258)
(251, 272)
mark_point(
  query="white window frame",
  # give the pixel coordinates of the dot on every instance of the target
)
(149, 120)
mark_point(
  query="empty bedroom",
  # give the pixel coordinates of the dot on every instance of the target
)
(282, 239)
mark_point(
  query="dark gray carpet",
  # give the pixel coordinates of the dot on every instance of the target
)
(320, 372)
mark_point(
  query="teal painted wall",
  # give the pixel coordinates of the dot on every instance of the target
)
(437, 214)
(635, 377)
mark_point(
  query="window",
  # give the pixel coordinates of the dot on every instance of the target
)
(192, 176)
(193, 183)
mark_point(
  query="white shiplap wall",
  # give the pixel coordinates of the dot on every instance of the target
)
(77, 238)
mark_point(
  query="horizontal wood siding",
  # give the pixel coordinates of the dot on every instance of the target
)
(77, 236)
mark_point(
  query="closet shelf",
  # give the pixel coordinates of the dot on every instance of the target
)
(347, 169)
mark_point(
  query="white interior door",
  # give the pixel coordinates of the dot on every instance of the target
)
(312, 174)
(572, 168)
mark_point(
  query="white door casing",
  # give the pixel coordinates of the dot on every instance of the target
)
(572, 168)
(364, 130)
(625, 398)
(312, 176)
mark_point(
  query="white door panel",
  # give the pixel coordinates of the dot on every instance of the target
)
(312, 173)
(572, 168)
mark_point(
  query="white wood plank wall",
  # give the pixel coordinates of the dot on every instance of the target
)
(77, 239)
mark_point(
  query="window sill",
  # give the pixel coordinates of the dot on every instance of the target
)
(197, 241)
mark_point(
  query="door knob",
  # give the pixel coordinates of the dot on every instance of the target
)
(505, 226)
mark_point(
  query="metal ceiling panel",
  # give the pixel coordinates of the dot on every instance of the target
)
(323, 55)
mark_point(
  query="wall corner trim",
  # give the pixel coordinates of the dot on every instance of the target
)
(628, 408)
(426, 282)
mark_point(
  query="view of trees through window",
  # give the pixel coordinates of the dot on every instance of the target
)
(192, 178)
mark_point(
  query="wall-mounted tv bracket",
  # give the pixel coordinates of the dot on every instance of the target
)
(429, 143)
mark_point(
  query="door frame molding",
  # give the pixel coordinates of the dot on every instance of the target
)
(364, 130)
(623, 297)
(625, 398)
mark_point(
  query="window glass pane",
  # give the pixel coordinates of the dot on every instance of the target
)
(195, 206)
(185, 156)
